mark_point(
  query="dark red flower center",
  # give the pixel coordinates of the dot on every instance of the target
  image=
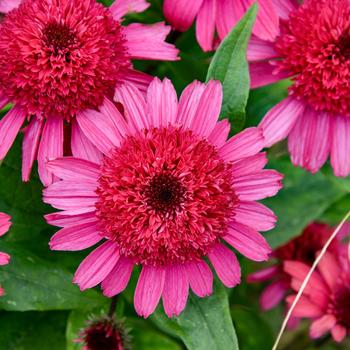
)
(165, 196)
(315, 47)
(341, 306)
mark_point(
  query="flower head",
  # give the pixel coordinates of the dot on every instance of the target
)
(303, 248)
(59, 58)
(5, 225)
(312, 49)
(168, 192)
(104, 334)
(325, 301)
(219, 17)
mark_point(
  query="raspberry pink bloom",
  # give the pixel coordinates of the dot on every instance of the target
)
(325, 300)
(313, 50)
(5, 225)
(61, 57)
(8, 5)
(217, 18)
(169, 192)
(304, 249)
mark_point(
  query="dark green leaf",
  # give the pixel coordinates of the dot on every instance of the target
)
(204, 324)
(230, 66)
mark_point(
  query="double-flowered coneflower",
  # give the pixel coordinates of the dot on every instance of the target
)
(4, 227)
(216, 18)
(304, 249)
(326, 299)
(169, 193)
(313, 49)
(59, 58)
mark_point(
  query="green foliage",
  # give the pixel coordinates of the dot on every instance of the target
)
(230, 66)
(204, 324)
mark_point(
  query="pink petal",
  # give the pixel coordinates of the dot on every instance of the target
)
(175, 290)
(50, 147)
(322, 325)
(267, 22)
(96, 266)
(279, 121)
(247, 143)
(284, 7)
(309, 141)
(249, 165)
(9, 128)
(208, 110)
(122, 7)
(61, 219)
(260, 50)
(228, 14)
(148, 42)
(339, 333)
(71, 189)
(262, 184)
(69, 168)
(189, 102)
(255, 215)
(272, 295)
(248, 242)
(181, 13)
(30, 146)
(220, 133)
(138, 79)
(99, 130)
(118, 278)
(200, 278)
(263, 73)
(226, 265)
(77, 237)
(149, 290)
(5, 223)
(205, 26)
(135, 107)
(340, 152)
(330, 269)
(82, 147)
(4, 259)
(263, 275)
(8, 5)
(304, 307)
(162, 103)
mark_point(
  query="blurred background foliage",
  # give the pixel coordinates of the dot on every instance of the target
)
(43, 310)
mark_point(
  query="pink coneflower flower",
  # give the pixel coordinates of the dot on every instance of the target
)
(169, 191)
(304, 248)
(61, 57)
(219, 17)
(326, 299)
(5, 225)
(104, 334)
(8, 5)
(312, 49)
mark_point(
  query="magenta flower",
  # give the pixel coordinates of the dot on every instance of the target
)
(168, 192)
(5, 225)
(313, 50)
(303, 248)
(61, 57)
(8, 5)
(219, 17)
(326, 298)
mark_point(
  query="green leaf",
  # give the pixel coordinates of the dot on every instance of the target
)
(204, 324)
(32, 283)
(303, 199)
(32, 330)
(230, 66)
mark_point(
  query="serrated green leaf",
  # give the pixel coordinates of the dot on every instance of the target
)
(230, 66)
(204, 324)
